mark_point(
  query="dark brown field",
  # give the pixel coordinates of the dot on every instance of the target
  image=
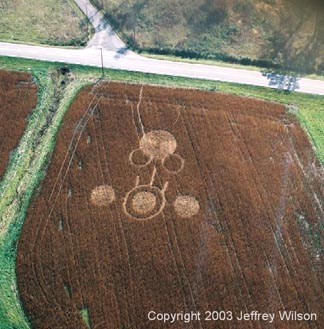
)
(18, 97)
(226, 213)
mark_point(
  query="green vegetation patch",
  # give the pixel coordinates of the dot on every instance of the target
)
(282, 34)
(53, 22)
(85, 316)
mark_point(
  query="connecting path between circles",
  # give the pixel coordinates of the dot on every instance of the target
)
(117, 56)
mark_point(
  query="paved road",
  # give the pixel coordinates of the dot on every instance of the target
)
(116, 56)
(104, 36)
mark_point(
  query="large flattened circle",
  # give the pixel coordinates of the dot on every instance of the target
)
(144, 202)
(158, 144)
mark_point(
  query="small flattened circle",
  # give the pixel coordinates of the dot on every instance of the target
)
(158, 144)
(102, 195)
(186, 206)
(144, 202)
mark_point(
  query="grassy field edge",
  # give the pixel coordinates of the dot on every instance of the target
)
(26, 169)
(38, 23)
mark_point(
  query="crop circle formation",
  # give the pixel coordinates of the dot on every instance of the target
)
(186, 206)
(139, 159)
(144, 202)
(173, 163)
(102, 195)
(158, 144)
(89, 257)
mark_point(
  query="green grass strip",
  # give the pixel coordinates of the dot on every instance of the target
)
(36, 22)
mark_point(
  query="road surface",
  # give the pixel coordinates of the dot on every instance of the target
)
(104, 36)
(116, 56)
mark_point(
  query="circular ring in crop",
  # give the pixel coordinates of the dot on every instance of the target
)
(144, 202)
(173, 163)
(138, 159)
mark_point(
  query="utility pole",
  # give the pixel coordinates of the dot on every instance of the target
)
(102, 67)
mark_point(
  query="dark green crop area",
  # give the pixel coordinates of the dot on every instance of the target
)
(53, 22)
